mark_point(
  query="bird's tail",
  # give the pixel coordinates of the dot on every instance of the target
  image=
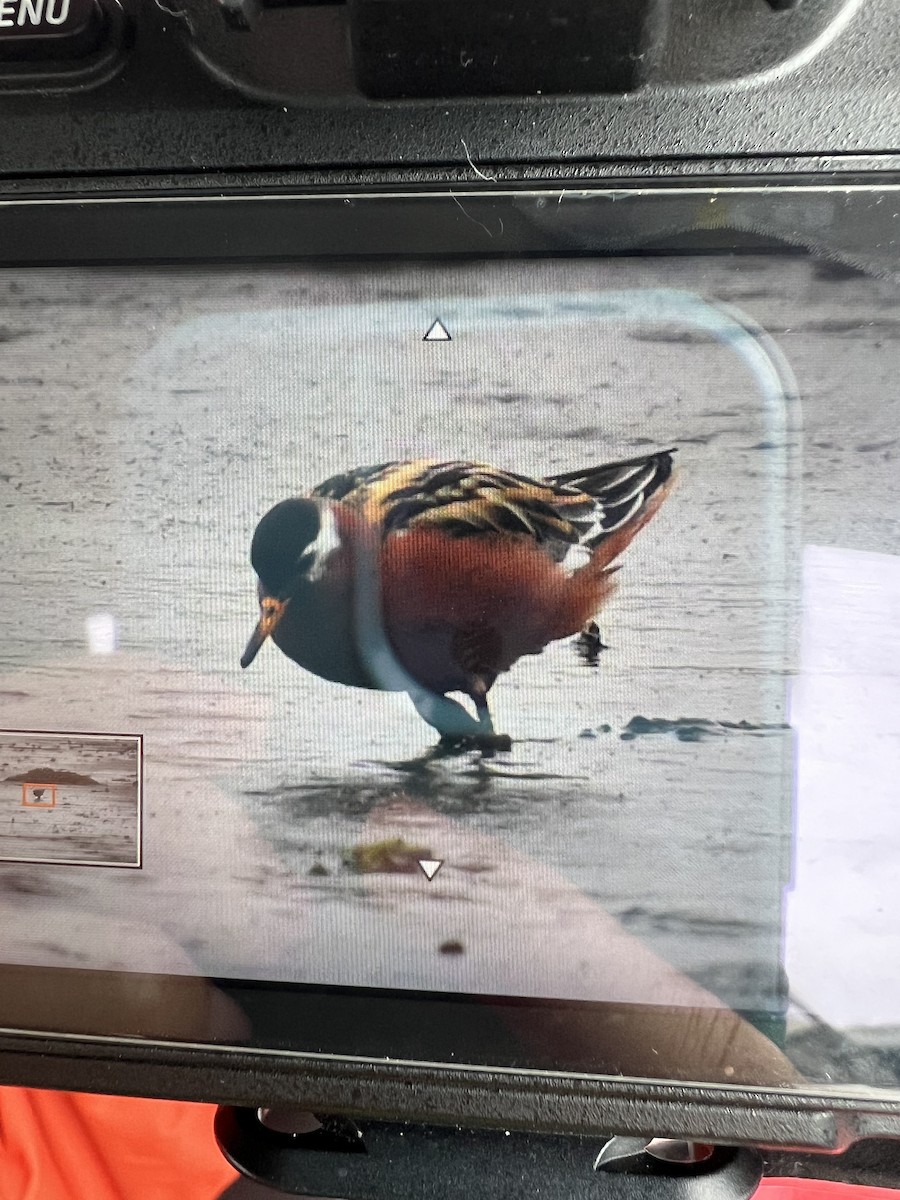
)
(627, 495)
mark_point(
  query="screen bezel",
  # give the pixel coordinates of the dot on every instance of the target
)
(347, 1076)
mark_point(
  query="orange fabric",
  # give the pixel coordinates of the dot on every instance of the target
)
(73, 1146)
(819, 1189)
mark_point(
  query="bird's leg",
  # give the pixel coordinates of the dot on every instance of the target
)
(483, 737)
(458, 729)
(589, 644)
(487, 740)
(443, 714)
(484, 716)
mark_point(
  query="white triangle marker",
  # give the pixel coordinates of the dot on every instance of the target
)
(437, 333)
(430, 866)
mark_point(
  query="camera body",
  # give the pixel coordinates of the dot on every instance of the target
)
(222, 96)
(198, 130)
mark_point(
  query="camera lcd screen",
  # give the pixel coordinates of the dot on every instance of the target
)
(510, 635)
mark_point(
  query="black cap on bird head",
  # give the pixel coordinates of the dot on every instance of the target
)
(280, 553)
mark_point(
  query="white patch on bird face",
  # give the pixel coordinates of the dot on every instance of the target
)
(575, 558)
(327, 541)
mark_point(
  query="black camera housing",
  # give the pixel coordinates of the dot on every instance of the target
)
(183, 108)
(177, 96)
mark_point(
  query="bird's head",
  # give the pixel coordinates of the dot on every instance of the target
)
(289, 547)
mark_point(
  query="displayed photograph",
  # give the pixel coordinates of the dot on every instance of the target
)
(462, 660)
(70, 798)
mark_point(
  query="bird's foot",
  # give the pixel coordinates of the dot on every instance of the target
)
(458, 729)
(589, 645)
(485, 742)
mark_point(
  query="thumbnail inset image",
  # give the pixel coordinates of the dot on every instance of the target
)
(70, 798)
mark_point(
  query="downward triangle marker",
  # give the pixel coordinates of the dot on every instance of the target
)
(437, 333)
(430, 866)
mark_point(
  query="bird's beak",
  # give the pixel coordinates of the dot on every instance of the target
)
(271, 612)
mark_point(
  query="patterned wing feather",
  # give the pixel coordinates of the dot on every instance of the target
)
(468, 498)
(352, 487)
(619, 491)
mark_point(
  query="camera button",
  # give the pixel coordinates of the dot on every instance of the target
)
(46, 30)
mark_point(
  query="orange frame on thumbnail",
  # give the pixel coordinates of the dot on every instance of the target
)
(48, 787)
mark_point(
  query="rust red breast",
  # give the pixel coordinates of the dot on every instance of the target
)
(479, 566)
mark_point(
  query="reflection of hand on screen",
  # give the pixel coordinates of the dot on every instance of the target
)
(490, 914)
(214, 896)
(199, 851)
(183, 1006)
